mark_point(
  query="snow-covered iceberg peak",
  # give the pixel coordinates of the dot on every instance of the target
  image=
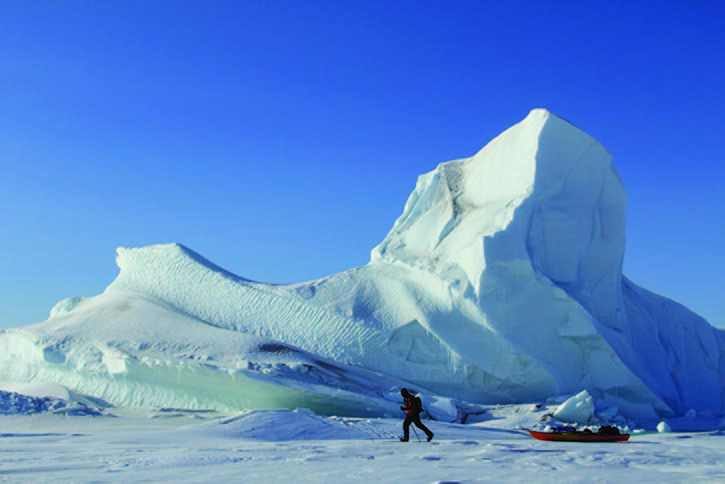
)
(543, 194)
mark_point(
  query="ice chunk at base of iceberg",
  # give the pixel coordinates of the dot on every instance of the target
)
(440, 408)
(577, 409)
(28, 399)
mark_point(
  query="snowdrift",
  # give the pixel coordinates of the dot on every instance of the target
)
(501, 282)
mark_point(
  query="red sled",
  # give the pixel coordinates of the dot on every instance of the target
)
(577, 437)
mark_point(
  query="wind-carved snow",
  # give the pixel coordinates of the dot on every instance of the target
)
(501, 282)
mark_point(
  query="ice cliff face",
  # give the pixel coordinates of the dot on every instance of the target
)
(543, 194)
(500, 282)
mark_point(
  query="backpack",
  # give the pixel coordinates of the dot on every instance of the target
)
(608, 430)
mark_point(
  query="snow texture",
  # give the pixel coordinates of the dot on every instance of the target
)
(500, 283)
(300, 447)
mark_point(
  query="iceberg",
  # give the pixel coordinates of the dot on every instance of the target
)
(501, 282)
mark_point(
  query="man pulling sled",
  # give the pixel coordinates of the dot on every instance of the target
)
(412, 407)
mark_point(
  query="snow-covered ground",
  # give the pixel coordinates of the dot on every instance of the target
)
(167, 445)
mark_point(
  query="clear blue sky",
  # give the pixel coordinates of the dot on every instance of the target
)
(280, 139)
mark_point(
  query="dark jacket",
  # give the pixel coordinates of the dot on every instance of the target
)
(411, 404)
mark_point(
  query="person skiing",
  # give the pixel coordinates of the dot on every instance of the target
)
(412, 407)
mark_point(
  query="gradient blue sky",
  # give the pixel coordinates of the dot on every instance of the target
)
(281, 139)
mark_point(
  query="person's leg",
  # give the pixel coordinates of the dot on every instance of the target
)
(420, 425)
(406, 426)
